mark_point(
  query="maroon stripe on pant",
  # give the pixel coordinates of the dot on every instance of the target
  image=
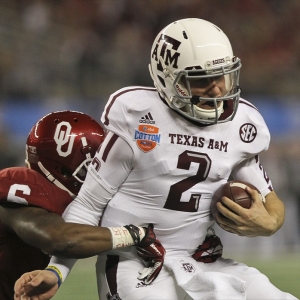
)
(111, 268)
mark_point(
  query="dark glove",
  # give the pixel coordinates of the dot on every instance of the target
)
(210, 250)
(152, 253)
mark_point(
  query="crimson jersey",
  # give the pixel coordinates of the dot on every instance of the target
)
(25, 187)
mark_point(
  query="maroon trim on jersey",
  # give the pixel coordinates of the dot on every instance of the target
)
(109, 146)
(119, 94)
(265, 173)
(111, 268)
(249, 104)
(228, 109)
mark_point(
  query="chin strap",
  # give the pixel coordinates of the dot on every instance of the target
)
(52, 179)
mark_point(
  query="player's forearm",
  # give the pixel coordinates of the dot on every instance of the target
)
(276, 210)
(78, 241)
(81, 241)
(49, 232)
(54, 236)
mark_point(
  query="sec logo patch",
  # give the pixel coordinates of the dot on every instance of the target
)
(147, 137)
(248, 133)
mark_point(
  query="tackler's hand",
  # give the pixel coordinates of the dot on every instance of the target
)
(36, 285)
(152, 252)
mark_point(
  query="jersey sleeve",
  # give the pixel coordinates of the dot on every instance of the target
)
(254, 138)
(254, 135)
(123, 109)
(108, 170)
(252, 171)
(24, 186)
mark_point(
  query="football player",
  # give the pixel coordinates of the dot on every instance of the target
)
(173, 146)
(59, 148)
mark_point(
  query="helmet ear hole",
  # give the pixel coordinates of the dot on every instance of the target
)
(161, 81)
(66, 172)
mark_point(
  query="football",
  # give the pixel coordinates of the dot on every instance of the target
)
(236, 191)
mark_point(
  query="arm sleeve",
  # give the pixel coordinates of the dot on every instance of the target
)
(252, 171)
(108, 170)
(64, 265)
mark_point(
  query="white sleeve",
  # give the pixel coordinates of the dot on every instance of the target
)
(252, 171)
(109, 168)
(87, 208)
(63, 264)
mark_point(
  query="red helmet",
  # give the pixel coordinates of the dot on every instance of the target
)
(61, 145)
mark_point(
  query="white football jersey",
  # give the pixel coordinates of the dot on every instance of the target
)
(157, 167)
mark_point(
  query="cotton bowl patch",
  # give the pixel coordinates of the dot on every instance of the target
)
(147, 137)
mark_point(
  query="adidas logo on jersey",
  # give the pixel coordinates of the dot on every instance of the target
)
(147, 119)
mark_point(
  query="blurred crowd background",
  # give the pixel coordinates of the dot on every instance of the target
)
(72, 54)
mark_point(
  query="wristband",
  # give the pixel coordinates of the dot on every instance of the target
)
(57, 272)
(123, 237)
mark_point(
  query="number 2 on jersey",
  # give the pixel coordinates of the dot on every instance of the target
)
(176, 190)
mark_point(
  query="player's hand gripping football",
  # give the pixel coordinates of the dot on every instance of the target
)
(255, 221)
(210, 249)
(36, 285)
(152, 252)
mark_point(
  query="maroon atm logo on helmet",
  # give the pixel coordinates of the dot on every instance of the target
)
(166, 44)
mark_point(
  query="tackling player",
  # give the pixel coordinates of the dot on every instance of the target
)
(58, 150)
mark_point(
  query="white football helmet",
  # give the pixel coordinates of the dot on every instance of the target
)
(195, 49)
